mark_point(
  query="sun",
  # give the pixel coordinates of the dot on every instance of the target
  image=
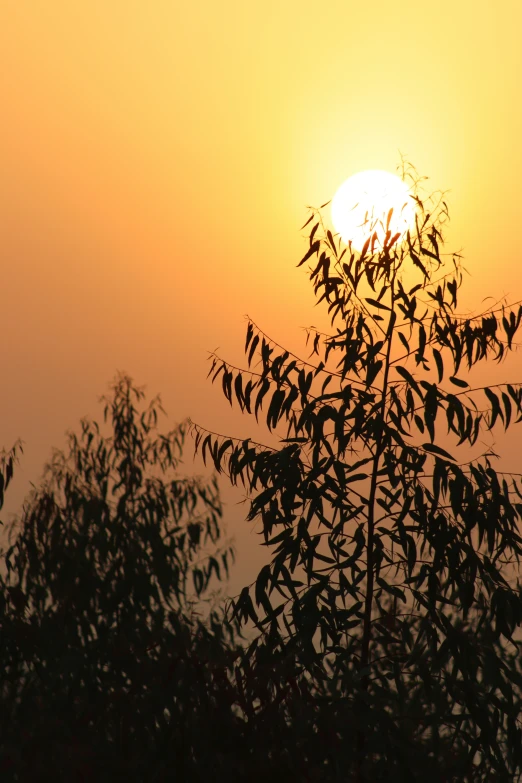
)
(362, 204)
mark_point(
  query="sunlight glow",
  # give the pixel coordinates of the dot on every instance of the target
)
(361, 205)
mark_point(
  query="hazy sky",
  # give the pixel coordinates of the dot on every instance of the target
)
(157, 160)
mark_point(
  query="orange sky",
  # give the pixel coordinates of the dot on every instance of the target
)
(156, 164)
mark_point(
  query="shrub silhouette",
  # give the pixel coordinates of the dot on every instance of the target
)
(386, 618)
(107, 671)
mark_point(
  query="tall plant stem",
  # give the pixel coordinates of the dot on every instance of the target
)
(370, 551)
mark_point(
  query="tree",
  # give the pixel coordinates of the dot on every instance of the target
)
(390, 530)
(107, 672)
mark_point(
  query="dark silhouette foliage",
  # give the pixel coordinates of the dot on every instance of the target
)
(386, 623)
(387, 616)
(108, 673)
(7, 463)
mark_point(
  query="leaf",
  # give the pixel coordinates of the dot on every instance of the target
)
(416, 260)
(422, 344)
(261, 393)
(379, 305)
(507, 408)
(253, 347)
(249, 335)
(305, 381)
(433, 449)
(438, 361)
(427, 252)
(356, 477)
(408, 377)
(365, 247)
(495, 407)
(431, 405)
(382, 292)
(404, 341)
(307, 222)
(372, 371)
(222, 449)
(198, 579)
(272, 416)
(419, 423)
(459, 382)
(313, 233)
(412, 554)
(391, 589)
(238, 388)
(227, 385)
(311, 250)
(319, 266)
(261, 586)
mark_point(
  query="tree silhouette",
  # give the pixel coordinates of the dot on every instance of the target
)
(107, 673)
(386, 610)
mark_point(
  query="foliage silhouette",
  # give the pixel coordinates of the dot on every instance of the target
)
(7, 463)
(107, 671)
(386, 613)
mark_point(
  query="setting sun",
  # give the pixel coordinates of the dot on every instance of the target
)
(362, 204)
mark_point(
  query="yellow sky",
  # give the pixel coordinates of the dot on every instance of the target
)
(156, 164)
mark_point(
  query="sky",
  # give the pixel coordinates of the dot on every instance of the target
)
(157, 160)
